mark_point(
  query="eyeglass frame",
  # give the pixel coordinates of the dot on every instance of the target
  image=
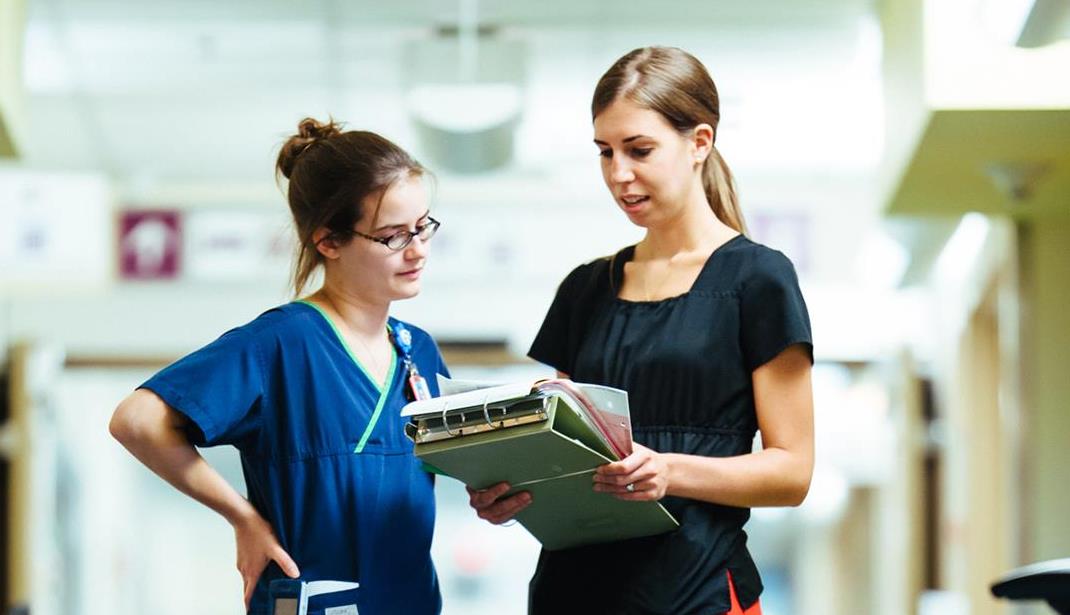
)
(431, 223)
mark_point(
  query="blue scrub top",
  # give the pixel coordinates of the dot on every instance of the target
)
(347, 503)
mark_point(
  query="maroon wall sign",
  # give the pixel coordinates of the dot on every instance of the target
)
(150, 243)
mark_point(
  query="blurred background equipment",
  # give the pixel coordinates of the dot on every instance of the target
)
(1048, 581)
(466, 92)
(12, 90)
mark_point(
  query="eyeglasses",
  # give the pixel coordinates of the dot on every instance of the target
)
(401, 239)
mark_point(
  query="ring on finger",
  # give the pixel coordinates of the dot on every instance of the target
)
(630, 487)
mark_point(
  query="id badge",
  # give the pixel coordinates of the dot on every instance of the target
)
(418, 386)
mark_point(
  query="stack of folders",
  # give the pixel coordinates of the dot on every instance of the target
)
(546, 438)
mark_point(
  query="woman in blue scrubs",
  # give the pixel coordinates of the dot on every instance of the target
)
(310, 392)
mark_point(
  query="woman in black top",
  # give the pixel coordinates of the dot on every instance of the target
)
(709, 334)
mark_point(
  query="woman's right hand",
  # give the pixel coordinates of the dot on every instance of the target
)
(487, 506)
(257, 546)
(157, 435)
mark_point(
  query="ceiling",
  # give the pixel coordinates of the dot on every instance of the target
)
(184, 104)
(171, 92)
(998, 162)
(555, 13)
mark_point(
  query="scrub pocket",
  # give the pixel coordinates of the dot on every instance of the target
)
(334, 603)
(296, 597)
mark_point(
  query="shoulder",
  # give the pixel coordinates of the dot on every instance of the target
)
(276, 330)
(287, 319)
(593, 275)
(587, 272)
(758, 264)
(237, 353)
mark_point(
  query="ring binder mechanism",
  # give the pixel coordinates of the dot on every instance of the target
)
(467, 421)
(546, 438)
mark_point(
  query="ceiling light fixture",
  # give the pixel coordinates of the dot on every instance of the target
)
(465, 93)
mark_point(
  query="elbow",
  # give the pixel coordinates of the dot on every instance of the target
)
(127, 422)
(799, 489)
(143, 419)
(121, 426)
(798, 494)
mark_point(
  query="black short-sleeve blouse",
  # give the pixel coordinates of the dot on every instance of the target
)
(686, 363)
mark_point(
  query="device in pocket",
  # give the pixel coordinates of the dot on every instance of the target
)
(297, 597)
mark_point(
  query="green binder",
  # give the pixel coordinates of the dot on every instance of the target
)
(541, 444)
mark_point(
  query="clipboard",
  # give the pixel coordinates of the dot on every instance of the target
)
(544, 440)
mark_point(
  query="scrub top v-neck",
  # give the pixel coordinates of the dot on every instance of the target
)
(383, 387)
(686, 363)
(323, 451)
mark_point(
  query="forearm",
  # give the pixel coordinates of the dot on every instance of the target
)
(157, 439)
(770, 477)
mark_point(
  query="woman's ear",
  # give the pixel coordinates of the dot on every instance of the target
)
(701, 142)
(324, 243)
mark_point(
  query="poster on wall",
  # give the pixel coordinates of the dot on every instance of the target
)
(150, 244)
(237, 245)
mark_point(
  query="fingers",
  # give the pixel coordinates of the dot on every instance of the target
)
(249, 583)
(640, 456)
(506, 509)
(250, 577)
(640, 491)
(606, 476)
(648, 491)
(283, 559)
(250, 574)
(482, 498)
(638, 477)
(620, 481)
(496, 511)
(487, 505)
(625, 466)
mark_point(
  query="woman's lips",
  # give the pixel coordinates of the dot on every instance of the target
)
(632, 202)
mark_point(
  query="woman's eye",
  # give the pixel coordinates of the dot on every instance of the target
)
(605, 153)
(641, 152)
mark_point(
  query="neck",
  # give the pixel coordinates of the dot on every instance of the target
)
(363, 317)
(695, 229)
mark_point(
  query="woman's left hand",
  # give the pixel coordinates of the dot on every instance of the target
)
(645, 471)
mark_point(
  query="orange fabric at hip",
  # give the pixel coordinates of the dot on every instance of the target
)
(754, 609)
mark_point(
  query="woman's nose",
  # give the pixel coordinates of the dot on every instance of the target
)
(620, 171)
(417, 248)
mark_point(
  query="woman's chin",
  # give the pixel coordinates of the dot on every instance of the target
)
(407, 290)
(638, 216)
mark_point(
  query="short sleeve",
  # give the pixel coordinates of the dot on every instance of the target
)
(217, 387)
(774, 314)
(557, 341)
